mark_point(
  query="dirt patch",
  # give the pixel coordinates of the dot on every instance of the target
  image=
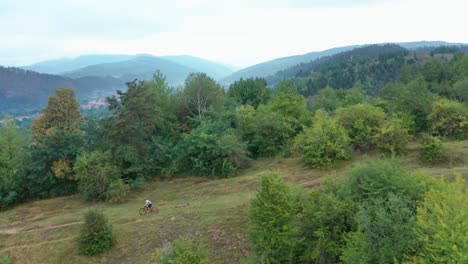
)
(10, 231)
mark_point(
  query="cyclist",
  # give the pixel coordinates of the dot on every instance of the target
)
(148, 204)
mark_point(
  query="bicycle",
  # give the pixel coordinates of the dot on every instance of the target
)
(147, 209)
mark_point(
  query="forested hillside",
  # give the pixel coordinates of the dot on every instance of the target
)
(405, 110)
(23, 91)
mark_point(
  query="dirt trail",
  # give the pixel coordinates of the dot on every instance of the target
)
(15, 230)
(38, 244)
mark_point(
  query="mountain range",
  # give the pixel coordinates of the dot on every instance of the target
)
(27, 88)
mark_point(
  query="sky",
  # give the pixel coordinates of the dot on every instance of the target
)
(239, 32)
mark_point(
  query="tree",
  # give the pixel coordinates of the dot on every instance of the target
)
(62, 112)
(96, 172)
(201, 92)
(251, 91)
(129, 130)
(272, 216)
(384, 234)
(96, 234)
(12, 148)
(442, 226)
(431, 149)
(323, 144)
(449, 118)
(362, 122)
(392, 136)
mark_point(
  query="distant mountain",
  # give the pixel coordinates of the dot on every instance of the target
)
(128, 67)
(23, 91)
(142, 68)
(213, 69)
(270, 68)
(68, 64)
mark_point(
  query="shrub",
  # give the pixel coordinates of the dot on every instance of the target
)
(183, 252)
(392, 136)
(442, 225)
(361, 121)
(377, 178)
(96, 234)
(95, 172)
(117, 191)
(327, 217)
(272, 216)
(431, 149)
(214, 155)
(325, 143)
(4, 259)
(385, 231)
(449, 118)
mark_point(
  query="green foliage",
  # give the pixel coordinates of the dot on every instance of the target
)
(184, 252)
(96, 234)
(362, 122)
(290, 104)
(442, 226)
(40, 179)
(413, 98)
(459, 90)
(431, 149)
(323, 144)
(4, 259)
(12, 149)
(266, 132)
(201, 92)
(392, 136)
(250, 91)
(385, 231)
(272, 216)
(327, 216)
(449, 118)
(208, 152)
(129, 129)
(117, 191)
(378, 178)
(96, 172)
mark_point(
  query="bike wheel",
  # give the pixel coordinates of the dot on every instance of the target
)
(155, 210)
(142, 211)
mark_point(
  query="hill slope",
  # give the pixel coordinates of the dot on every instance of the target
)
(272, 67)
(22, 91)
(210, 212)
(81, 66)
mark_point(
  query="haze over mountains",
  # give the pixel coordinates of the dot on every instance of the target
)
(93, 76)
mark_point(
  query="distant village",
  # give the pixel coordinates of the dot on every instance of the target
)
(94, 104)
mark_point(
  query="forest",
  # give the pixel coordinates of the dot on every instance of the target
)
(373, 100)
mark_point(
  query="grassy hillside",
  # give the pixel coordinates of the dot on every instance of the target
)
(211, 212)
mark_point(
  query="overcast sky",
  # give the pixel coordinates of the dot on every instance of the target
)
(238, 32)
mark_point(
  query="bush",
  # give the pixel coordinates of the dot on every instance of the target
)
(96, 234)
(95, 172)
(117, 191)
(385, 231)
(442, 225)
(327, 217)
(183, 252)
(431, 149)
(392, 136)
(377, 178)
(272, 216)
(212, 150)
(325, 143)
(361, 121)
(4, 259)
(449, 118)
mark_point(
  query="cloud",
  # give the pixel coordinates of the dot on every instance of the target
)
(237, 32)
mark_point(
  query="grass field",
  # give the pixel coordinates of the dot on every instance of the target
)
(210, 212)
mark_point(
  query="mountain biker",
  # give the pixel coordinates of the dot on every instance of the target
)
(148, 203)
